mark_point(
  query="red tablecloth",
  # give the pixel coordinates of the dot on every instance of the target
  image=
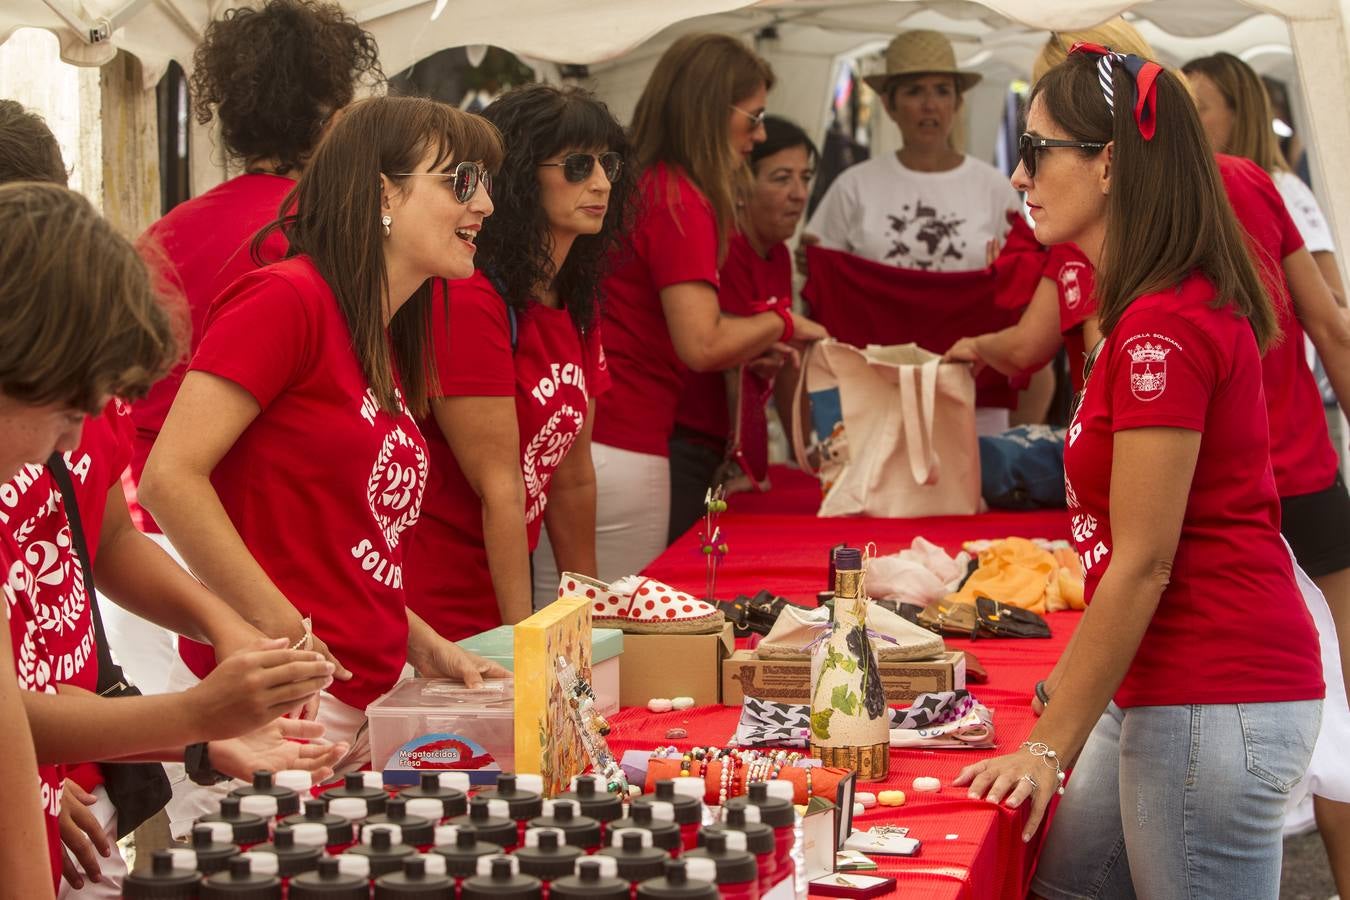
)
(970, 849)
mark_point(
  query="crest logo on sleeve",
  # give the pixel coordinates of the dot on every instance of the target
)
(1148, 370)
(1071, 284)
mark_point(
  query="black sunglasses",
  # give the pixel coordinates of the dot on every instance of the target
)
(464, 179)
(1029, 147)
(577, 167)
(1089, 360)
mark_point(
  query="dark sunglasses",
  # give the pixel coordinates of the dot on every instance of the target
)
(577, 167)
(1029, 147)
(464, 179)
(1089, 360)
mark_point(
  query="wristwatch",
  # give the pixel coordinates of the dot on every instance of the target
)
(197, 761)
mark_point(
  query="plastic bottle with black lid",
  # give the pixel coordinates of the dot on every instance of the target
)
(759, 843)
(590, 883)
(248, 829)
(339, 828)
(161, 881)
(354, 785)
(416, 830)
(385, 856)
(676, 884)
(665, 834)
(292, 858)
(578, 830)
(494, 829)
(288, 801)
(737, 872)
(414, 881)
(524, 805)
(636, 861)
(240, 882)
(212, 855)
(688, 810)
(545, 857)
(455, 801)
(600, 805)
(503, 883)
(327, 882)
(462, 855)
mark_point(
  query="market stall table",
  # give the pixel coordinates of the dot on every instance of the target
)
(970, 849)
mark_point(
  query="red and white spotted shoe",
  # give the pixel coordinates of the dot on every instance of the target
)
(640, 605)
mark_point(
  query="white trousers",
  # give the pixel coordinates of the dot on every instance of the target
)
(632, 517)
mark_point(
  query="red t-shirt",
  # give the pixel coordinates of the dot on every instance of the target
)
(33, 666)
(748, 280)
(1301, 452)
(200, 247)
(1173, 361)
(553, 374)
(1071, 272)
(34, 512)
(323, 483)
(674, 240)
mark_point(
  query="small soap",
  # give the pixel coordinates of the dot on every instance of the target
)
(682, 702)
(867, 799)
(891, 798)
(660, 705)
(927, 785)
(858, 809)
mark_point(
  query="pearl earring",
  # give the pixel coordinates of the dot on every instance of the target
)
(386, 221)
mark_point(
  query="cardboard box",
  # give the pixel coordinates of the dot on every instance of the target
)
(789, 681)
(674, 665)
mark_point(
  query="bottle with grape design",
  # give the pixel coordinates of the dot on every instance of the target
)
(850, 727)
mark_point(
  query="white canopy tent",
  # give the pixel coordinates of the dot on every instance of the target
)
(620, 40)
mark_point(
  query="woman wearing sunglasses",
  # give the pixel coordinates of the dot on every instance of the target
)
(291, 465)
(1176, 690)
(518, 360)
(697, 121)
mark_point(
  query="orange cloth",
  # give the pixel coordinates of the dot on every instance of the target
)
(1017, 572)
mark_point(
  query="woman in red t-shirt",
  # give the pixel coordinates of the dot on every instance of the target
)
(1175, 518)
(291, 464)
(274, 78)
(1315, 507)
(697, 121)
(757, 270)
(518, 357)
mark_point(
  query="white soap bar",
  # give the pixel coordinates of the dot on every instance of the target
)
(682, 702)
(858, 809)
(867, 799)
(660, 705)
(927, 785)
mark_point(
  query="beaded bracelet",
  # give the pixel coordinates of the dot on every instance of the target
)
(1050, 758)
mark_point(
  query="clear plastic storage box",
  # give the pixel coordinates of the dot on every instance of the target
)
(434, 724)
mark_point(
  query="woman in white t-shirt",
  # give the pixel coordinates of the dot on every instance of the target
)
(928, 206)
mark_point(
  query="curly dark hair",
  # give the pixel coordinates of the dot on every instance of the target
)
(273, 76)
(538, 121)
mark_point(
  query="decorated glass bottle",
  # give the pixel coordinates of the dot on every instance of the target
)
(850, 727)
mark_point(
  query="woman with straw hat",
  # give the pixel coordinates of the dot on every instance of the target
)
(927, 206)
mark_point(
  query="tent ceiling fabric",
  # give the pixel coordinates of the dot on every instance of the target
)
(571, 31)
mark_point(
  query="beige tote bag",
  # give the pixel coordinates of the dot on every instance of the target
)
(896, 427)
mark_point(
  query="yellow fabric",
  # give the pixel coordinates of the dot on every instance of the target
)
(1017, 572)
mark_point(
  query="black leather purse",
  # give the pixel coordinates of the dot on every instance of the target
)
(1001, 620)
(137, 790)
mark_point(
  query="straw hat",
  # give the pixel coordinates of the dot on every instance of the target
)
(921, 53)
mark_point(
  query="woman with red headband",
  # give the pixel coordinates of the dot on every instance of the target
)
(1185, 716)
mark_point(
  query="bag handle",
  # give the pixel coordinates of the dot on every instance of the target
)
(918, 408)
(798, 445)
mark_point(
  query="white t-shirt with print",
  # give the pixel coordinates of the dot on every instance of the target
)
(1303, 209)
(936, 221)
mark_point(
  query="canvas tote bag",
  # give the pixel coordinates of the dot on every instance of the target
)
(896, 428)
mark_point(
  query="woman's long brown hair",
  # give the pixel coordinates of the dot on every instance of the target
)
(1252, 137)
(333, 217)
(1168, 213)
(682, 118)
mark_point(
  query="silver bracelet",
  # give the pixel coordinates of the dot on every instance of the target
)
(1050, 758)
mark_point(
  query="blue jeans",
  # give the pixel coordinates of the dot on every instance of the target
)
(1179, 802)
